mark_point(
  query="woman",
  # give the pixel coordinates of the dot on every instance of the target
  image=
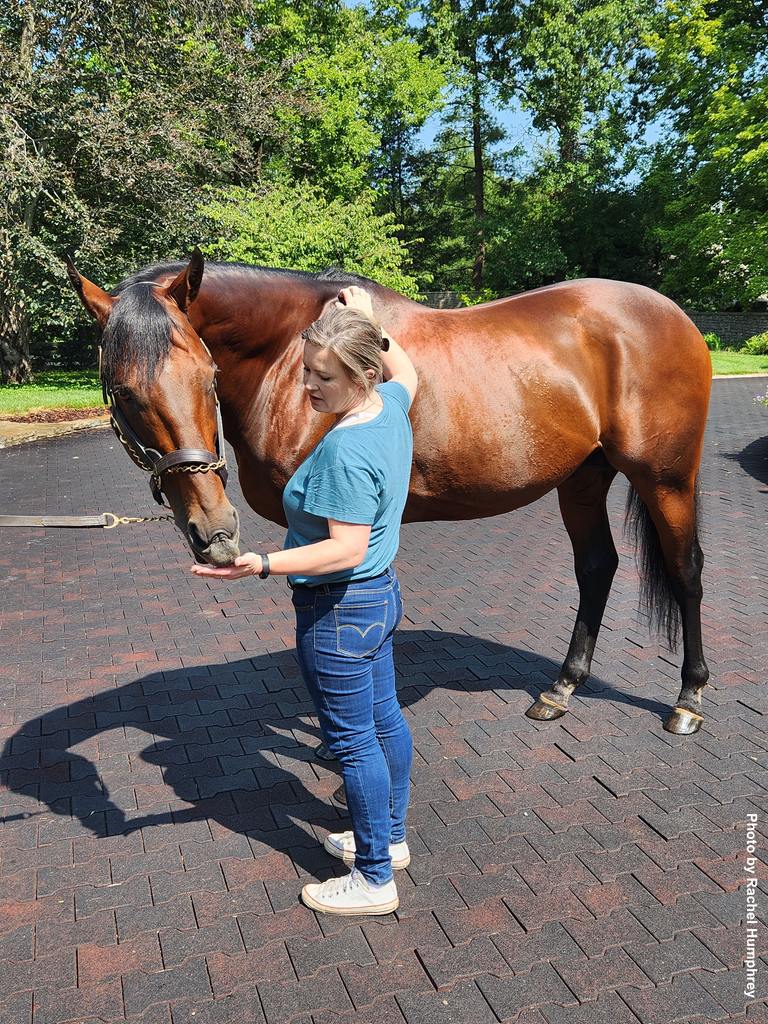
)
(344, 505)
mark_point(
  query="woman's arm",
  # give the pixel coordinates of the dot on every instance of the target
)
(345, 548)
(395, 361)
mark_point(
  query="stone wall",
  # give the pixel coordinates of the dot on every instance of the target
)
(732, 328)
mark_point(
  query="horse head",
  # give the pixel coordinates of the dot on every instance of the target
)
(159, 380)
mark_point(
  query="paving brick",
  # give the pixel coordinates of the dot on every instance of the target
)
(464, 1004)
(473, 958)
(59, 970)
(615, 929)
(523, 950)
(682, 1000)
(18, 944)
(239, 1008)
(134, 893)
(662, 961)
(508, 996)
(398, 935)
(174, 913)
(727, 988)
(588, 978)
(178, 944)
(284, 1000)
(231, 971)
(384, 1010)
(533, 911)
(308, 956)
(102, 1002)
(491, 917)
(366, 984)
(211, 906)
(608, 1008)
(666, 922)
(141, 990)
(16, 1008)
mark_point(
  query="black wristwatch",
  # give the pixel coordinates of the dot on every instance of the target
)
(264, 567)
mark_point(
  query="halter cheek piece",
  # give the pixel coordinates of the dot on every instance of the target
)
(182, 460)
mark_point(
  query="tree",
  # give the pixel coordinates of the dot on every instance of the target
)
(292, 224)
(111, 116)
(708, 75)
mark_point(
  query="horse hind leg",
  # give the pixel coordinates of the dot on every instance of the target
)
(583, 508)
(665, 517)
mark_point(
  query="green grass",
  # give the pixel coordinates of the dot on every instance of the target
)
(738, 362)
(59, 389)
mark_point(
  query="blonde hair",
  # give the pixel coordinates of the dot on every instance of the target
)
(355, 340)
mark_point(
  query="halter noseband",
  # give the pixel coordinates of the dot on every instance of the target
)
(182, 460)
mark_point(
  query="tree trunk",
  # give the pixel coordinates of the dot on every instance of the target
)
(478, 176)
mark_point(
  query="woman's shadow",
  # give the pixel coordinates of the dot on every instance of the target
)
(233, 743)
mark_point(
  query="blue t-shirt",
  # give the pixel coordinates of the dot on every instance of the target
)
(356, 474)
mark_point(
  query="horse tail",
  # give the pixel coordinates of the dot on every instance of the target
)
(657, 597)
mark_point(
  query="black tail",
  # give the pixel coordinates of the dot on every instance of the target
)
(657, 598)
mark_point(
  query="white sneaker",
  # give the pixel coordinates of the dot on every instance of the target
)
(342, 845)
(351, 894)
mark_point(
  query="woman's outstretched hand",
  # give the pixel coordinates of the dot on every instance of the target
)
(248, 564)
(355, 297)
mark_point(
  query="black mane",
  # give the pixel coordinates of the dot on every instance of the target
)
(138, 332)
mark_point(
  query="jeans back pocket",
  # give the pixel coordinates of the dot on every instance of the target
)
(360, 628)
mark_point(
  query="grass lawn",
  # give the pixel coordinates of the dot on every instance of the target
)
(737, 362)
(55, 389)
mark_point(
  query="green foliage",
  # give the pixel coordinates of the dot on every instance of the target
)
(293, 225)
(714, 343)
(709, 78)
(756, 345)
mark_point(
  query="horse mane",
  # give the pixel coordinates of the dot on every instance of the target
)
(138, 332)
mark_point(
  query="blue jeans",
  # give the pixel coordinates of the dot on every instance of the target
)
(344, 643)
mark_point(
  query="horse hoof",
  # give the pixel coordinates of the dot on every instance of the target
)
(545, 710)
(682, 722)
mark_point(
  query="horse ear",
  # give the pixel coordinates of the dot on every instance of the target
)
(184, 288)
(98, 302)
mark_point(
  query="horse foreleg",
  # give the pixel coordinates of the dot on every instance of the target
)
(582, 505)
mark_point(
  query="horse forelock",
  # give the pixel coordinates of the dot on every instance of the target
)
(137, 335)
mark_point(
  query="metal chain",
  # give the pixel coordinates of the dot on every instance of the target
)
(127, 520)
(206, 467)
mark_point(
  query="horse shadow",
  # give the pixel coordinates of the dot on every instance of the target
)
(235, 742)
(753, 459)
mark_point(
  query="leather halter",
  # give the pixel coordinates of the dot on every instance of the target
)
(181, 460)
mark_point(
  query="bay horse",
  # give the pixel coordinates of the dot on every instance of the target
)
(561, 387)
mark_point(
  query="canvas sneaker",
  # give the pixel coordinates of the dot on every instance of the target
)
(351, 894)
(342, 845)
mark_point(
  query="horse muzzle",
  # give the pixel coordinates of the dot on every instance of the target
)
(215, 543)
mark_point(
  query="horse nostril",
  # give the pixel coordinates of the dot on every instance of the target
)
(220, 537)
(197, 539)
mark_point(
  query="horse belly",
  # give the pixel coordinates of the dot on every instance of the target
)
(483, 460)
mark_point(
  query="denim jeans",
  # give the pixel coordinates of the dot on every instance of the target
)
(344, 643)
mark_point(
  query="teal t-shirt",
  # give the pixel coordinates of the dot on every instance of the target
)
(356, 474)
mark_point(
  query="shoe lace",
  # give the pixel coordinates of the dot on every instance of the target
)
(340, 886)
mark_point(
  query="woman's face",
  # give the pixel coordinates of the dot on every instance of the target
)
(326, 381)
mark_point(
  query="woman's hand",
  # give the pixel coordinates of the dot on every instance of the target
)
(358, 298)
(248, 564)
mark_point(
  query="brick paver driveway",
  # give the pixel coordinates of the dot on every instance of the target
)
(162, 806)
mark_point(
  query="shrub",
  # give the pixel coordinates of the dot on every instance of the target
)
(714, 344)
(757, 345)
